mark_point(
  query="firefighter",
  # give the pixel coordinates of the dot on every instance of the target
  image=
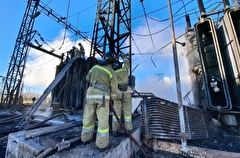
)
(102, 87)
(81, 50)
(75, 51)
(72, 52)
(123, 100)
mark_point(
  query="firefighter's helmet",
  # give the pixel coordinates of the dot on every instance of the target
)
(110, 57)
(117, 65)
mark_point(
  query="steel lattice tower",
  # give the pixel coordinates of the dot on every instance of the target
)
(16, 67)
(112, 32)
(112, 28)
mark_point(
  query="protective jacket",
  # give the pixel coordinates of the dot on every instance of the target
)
(123, 100)
(82, 50)
(103, 86)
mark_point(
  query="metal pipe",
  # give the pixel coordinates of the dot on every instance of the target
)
(178, 85)
(182, 43)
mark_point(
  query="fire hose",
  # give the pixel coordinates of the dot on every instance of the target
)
(126, 131)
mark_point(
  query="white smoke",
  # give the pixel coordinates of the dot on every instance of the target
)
(155, 68)
(41, 67)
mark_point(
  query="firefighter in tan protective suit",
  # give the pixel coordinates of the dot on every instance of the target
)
(123, 100)
(75, 51)
(81, 50)
(103, 86)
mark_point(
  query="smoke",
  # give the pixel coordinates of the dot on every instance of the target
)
(155, 67)
(41, 67)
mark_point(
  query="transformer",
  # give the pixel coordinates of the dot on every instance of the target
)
(214, 63)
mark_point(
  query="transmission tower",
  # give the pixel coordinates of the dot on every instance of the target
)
(112, 32)
(112, 28)
(16, 67)
(13, 81)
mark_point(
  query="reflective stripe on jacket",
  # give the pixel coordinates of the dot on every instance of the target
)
(104, 69)
(105, 75)
(97, 97)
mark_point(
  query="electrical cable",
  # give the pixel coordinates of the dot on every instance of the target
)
(213, 10)
(152, 33)
(82, 10)
(65, 29)
(148, 29)
(77, 26)
(46, 4)
(184, 7)
(136, 45)
(175, 14)
(165, 7)
(158, 51)
(43, 63)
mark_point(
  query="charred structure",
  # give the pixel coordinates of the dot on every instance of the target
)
(214, 67)
(70, 91)
(213, 57)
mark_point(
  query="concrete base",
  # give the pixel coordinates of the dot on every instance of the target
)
(125, 148)
(20, 145)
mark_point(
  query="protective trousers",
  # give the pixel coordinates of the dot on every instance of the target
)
(94, 110)
(123, 105)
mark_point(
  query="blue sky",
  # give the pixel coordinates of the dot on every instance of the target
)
(154, 69)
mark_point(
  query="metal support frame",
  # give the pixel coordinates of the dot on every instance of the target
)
(48, 90)
(177, 76)
(16, 68)
(112, 28)
(13, 81)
